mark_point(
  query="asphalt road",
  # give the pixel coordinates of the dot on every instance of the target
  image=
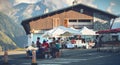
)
(70, 57)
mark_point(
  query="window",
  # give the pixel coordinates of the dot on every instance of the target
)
(84, 20)
(115, 38)
(56, 22)
(72, 20)
(81, 10)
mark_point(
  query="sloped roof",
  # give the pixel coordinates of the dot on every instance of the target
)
(92, 10)
(67, 8)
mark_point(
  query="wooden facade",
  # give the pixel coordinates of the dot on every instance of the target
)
(59, 19)
(75, 16)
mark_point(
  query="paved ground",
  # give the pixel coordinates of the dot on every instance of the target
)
(71, 57)
(13, 52)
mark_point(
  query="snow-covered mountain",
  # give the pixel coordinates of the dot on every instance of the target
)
(12, 13)
(26, 10)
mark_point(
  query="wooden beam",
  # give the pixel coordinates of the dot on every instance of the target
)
(112, 23)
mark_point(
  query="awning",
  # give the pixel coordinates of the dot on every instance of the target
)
(117, 30)
(87, 31)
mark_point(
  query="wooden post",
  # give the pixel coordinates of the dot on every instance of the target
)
(6, 57)
(34, 58)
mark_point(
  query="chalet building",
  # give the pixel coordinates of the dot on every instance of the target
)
(76, 16)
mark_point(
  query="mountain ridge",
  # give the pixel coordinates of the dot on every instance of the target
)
(12, 34)
(25, 10)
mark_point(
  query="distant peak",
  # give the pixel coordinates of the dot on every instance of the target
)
(17, 2)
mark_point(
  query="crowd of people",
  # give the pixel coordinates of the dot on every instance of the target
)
(47, 50)
(51, 48)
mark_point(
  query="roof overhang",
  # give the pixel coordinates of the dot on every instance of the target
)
(26, 26)
(117, 30)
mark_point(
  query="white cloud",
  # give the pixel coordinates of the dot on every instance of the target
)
(5, 6)
(113, 7)
(57, 4)
(54, 4)
(89, 2)
(25, 1)
(110, 8)
(68, 2)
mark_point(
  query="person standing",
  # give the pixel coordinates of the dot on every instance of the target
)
(45, 46)
(73, 41)
(40, 51)
(96, 42)
(57, 48)
(38, 43)
(53, 48)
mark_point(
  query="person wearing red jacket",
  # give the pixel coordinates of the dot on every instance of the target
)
(46, 48)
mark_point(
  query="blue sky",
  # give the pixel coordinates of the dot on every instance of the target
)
(100, 4)
(112, 6)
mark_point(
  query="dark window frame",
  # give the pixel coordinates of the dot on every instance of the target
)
(84, 20)
(72, 20)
